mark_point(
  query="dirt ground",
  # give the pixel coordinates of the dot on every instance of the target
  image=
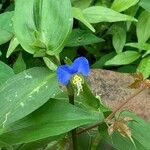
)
(113, 88)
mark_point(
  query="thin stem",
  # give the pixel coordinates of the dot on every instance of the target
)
(124, 103)
(73, 132)
(114, 112)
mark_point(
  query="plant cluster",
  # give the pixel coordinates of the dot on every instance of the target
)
(47, 49)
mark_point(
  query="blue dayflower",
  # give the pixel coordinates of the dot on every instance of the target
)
(66, 72)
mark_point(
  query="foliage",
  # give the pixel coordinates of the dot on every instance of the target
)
(39, 41)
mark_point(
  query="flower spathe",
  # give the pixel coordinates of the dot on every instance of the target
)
(73, 72)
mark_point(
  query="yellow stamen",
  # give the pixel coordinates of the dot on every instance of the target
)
(77, 81)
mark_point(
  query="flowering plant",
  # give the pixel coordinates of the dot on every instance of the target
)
(46, 100)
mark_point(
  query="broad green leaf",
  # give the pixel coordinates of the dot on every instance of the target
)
(81, 3)
(5, 72)
(54, 118)
(121, 5)
(145, 4)
(87, 99)
(78, 14)
(119, 37)
(143, 32)
(19, 65)
(44, 29)
(124, 58)
(131, 12)
(13, 44)
(119, 40)
(82, 37)
(144, 67)
(25, 92)
(6, 29)
(96, 14)
(140, 46)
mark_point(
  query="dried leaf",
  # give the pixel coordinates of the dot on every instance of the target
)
(139, 81)
(120, 125)
(127, 119)
(111, 129)
(138, 76)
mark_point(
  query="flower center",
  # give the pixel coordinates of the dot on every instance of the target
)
(77, 81)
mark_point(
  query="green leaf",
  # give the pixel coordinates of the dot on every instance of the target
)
(124, 58)
(81, 3)
(54, 118)
(19, 65)
(25, 92)
(78, 14)
(13, 44)
(82, 37)
(44, 30)
(145, 4)
(140, 46)
(5, 72)
(6, 28)
(121, 5)
(86, 99)
(131, 12)
(144, 67)
(119, 37)
(96, 14)
(143, 32)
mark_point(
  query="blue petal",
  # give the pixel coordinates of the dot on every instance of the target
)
(64, 74)
(81, 65)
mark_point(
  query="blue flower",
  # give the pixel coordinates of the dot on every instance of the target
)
(66, 72)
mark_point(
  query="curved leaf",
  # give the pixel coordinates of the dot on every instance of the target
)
(143, 32)
(96, 14)
(54, 118)
(124, 58)
(25, 92)
(82, 37)
(6, 28)
(46, 26)
(5, 72)
(121, 5)
(78, 14)
(144, 67)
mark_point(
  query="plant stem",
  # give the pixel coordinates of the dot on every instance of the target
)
(73, 132)
(124, 103)
(114, 112)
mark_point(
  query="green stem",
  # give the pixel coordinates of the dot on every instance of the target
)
(71, 101)
(113, 113)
